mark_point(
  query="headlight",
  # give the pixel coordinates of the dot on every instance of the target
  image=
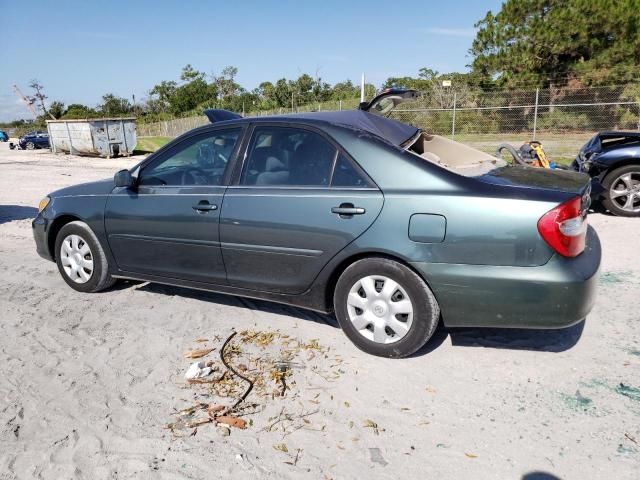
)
(43, 204)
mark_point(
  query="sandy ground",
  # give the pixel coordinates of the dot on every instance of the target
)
(89, 381)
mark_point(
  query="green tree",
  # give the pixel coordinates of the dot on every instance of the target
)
(546, 42)
(162, 93)
(56, 109)
(76, 110)
(113, 106)
(189, 73)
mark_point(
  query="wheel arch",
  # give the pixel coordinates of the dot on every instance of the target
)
(55, 228)
(619, 164)
(338, 270)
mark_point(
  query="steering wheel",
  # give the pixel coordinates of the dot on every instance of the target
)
(194, 176)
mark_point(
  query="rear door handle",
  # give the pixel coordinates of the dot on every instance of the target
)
(204, 206)
(348, 210)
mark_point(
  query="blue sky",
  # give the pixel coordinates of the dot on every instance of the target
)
(81, 50)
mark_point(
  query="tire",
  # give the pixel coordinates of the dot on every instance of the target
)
(81, 260)
(371, 328)
(30, 146)
(623, 179)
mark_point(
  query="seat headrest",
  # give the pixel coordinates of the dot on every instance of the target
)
(273, 165)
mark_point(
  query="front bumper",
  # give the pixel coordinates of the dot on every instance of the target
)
(40, 226)
(555, 295)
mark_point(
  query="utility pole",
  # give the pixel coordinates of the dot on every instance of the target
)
(362, 84)
(28, 103)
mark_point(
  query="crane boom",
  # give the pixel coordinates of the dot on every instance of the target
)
(28, 103)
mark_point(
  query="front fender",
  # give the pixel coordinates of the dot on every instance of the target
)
(61, 210)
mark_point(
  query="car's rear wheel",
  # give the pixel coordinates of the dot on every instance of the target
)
(80, 258)
(385, 308)
(30, 146)
(622, 194)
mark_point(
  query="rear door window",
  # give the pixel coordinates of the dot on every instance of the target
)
(345, 174)
(287, 156)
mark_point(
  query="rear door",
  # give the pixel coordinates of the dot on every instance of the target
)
(298, 201)
(167, 225)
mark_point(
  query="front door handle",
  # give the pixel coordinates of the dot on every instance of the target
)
(204, 206)
(346, 210)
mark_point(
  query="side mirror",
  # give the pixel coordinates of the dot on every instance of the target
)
(123, 179)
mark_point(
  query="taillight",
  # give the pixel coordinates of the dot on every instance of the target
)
(564, 228)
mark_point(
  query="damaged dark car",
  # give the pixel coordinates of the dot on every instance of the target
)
(612, 159)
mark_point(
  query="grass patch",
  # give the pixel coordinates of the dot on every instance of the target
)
(561, 148)
(149, 144)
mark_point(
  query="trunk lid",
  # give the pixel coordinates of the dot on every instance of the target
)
(387, 100)
(566, 181)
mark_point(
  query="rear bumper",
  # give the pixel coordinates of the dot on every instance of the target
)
(555, 295)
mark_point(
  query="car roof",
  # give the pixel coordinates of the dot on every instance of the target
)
(391, 130)
(618, 133)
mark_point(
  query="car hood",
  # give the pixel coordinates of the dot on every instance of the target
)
(101, 187)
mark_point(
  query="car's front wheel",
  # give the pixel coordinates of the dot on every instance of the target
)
(385, 308)
(30, 146)
(80, 258)
(622, 195)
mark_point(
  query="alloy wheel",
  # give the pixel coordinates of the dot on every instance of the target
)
(76, 258)
(625, 192)
(380, 309)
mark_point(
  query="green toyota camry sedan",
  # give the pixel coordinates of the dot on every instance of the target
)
(386, 225)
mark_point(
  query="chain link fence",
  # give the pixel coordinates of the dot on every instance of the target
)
(562, 118)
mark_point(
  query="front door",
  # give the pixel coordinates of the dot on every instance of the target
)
(299, 201)
(168, 224)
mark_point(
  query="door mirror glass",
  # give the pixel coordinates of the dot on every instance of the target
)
(123, 179)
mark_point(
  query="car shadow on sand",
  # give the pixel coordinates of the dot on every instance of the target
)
(9, 213)
(242, 302)
(503, 338)
(545, 340)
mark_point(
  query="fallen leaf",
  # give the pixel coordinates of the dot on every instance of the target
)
(430, 389)
(282, 447)
(471, 455)
(232, 421)
(347, 404)
(202, 380)
(190, 410)
(198, 353)
(371, 424)
(214, 408)
(199, 422)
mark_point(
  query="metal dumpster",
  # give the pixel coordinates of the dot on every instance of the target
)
(106, 137)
